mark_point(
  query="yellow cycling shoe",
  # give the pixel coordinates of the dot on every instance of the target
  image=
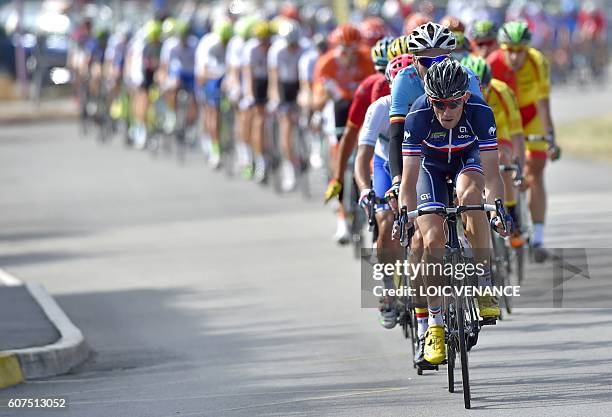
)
(435, 350)
(488, 307)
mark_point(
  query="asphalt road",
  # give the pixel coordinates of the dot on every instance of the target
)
(201, 296)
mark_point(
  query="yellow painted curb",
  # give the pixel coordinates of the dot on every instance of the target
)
(10, 370)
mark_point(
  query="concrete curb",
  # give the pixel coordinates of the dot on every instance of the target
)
(50, 360)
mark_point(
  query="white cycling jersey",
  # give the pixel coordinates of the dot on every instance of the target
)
(233, 52)
(307, 63)
(182, 57)
(375, 130)
(133, 73)
(288, 57)
(255, 56)
(167, 46)
(210, 56)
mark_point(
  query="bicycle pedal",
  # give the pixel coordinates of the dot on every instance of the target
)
(489, 321)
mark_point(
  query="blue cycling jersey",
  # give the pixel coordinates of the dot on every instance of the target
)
(408, 86)
(424, 133)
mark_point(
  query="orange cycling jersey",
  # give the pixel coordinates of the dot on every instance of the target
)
(345, 77)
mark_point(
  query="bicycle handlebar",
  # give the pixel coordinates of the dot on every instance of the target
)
(445, 211)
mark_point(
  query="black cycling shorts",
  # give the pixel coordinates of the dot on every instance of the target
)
(435, 169)
(341, 113)
(260, 91)
(149, 79)
(288, 91)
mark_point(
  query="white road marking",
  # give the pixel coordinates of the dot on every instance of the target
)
(9, 280)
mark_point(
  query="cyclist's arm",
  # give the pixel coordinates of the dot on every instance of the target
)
(357, 115)
(518, 147)
(415, 128)
(346, 146)
(494, 186)
(543, 106)
(273, 92)
(248, 77)
(543, 103)
(397, 116)
(365, 153)
(374, 123)
(483, 122)
(201, 62)
(410, 175)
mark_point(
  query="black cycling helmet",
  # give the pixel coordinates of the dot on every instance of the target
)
(446, 80)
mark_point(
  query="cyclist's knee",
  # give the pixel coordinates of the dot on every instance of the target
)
(433, 235)
(385, 225)
(471, 193)
(505, 155)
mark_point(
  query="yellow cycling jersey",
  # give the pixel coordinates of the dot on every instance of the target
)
(532, 85)
(505, 109)
(533, 79)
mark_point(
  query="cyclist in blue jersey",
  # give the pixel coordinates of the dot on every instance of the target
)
(428, 43)
(450, 133)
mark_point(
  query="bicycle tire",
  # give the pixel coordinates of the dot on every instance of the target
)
(465, 372)
(413, 329)
(450, 365)
(449, 320)
(520, 264)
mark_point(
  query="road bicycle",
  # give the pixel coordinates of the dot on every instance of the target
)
(461, 320)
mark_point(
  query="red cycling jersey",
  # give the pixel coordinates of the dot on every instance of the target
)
(363, 98)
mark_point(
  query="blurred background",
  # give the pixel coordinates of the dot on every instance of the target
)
(37, 36)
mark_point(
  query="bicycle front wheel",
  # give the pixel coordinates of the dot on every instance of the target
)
(465, 372)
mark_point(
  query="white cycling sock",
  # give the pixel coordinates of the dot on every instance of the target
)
(435, 316)
(422, 317)
(538, 234)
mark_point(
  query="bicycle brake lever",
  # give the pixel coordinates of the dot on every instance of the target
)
(501, 213)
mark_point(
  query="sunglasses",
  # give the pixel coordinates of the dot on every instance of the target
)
(515, 49)
(427, 61)
(442, 104)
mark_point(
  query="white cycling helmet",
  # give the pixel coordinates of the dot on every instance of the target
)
(289, 31)
(431, 36)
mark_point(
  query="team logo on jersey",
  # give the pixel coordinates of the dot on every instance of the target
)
(438, 135)
(492, 130)
(462, 129)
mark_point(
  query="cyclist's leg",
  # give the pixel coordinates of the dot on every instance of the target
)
(388, 250)
(470, 188)
(505, 158)
(431, 192)
(535, 164)
(287, 115)
(258, 125)
(341, 111)
(188, 84)
(141, 105)
(214, 104)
